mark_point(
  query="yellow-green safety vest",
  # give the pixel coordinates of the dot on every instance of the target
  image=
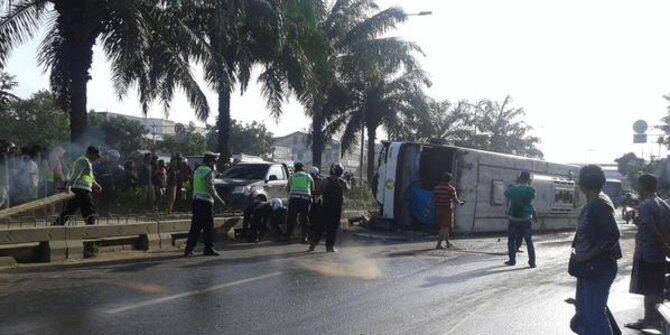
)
(200, 184)
(85, 179)
(301, 184)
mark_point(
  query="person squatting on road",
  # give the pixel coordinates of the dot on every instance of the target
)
(444, 199)
(301, 188)
(260, 213)
(595, 251)
(332, 189)
(204, 195)
(651, 248)
(82, 183)
(521, 215)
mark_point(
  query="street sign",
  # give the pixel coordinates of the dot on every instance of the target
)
(639, 138)
(640, 127)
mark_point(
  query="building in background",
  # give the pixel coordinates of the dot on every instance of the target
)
(295, 147)
(157, 128)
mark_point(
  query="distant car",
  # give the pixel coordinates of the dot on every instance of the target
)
(245, 182)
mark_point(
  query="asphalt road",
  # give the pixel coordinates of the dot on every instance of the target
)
(372, 286)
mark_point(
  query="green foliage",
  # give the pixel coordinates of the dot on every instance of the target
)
(145, 41)
(485, 125)
(37, 120)
(7, 83)
(360, 198)
(186, 141)
(252, 139)
(119, 133)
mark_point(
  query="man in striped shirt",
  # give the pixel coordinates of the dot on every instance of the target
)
(444, 198)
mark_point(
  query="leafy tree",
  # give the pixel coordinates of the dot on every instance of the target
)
(146, 43)
(238, 35)
(125, 135)
(629, 164)
(252, 138)
(37, 120)
(186, 141)
(349, 44)
(498, 128)
(7, 83)
(444, 120)
(383, 99)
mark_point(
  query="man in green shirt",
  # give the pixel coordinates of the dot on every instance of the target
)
(521, 215)
(82, 183)
(204, 195)
(301, 189)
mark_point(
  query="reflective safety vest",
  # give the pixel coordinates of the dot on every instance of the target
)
(301, 184)
(83, 174)
(200, 183)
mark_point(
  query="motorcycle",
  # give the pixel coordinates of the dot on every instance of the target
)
(629, 204)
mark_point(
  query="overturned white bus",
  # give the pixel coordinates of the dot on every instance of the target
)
(407, 170)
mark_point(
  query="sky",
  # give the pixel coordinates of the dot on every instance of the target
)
(584, 71)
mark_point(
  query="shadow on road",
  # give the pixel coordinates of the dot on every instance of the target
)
(409, 252)
(469, 275)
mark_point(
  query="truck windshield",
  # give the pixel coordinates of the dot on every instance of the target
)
(246, 171)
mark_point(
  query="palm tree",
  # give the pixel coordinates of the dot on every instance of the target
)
(7, 83)
(350, 33)
(240, 34)
(500, 129)
(382, 98)
(144, 40)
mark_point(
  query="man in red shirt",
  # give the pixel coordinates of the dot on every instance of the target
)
(444, 198)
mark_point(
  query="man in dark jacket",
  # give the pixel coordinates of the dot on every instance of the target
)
(594, 256)
(260, 213)
(651, 248)
(332, 190)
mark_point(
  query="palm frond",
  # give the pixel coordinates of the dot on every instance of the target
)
(19, 25)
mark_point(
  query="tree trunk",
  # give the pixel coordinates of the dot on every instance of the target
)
(223, 124)
(372, 137)
(78, 24)
(318, 140)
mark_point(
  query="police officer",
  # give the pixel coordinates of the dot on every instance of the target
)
(204, 195)
(82, 183)
(301, 188)
(258, 214)
(332, 189)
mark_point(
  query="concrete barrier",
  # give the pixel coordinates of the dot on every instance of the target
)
(45, 244)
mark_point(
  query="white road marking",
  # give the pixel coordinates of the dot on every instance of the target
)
(188, 294)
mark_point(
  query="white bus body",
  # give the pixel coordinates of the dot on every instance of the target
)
(481, 178)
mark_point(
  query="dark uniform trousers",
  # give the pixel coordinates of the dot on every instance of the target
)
(83, 200)
(203, 220)
(298, 209)
(329, 223)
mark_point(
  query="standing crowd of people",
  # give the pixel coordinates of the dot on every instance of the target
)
(315, 205)
(32, 172)
(595, 247)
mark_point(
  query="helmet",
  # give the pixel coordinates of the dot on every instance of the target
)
(336, 170)
(298, 166)
(114, 154)
(276, 204)
(313, 171)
